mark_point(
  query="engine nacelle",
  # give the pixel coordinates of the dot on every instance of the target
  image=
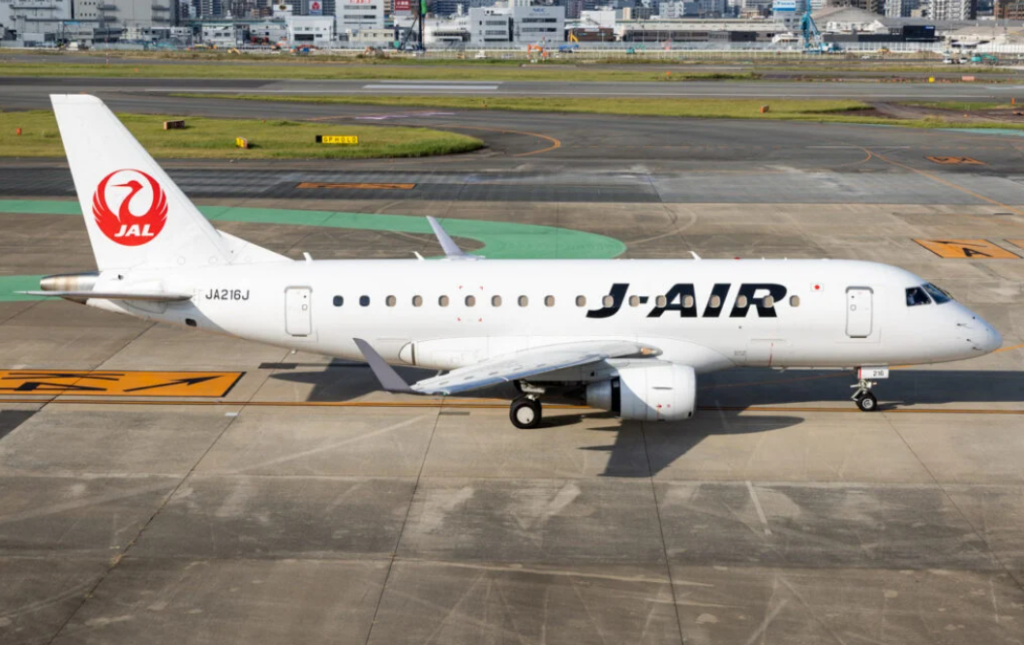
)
(661, 392)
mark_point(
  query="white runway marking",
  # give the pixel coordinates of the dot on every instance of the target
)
(455, 88)
(757, 507)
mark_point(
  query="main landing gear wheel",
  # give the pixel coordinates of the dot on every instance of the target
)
(867, 402)
(525, 413)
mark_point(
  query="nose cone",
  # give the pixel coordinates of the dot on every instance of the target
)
(993, 339)
(983, 337)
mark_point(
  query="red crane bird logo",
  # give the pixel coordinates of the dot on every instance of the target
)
(124, 226)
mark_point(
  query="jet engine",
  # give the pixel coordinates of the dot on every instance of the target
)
(659, 392)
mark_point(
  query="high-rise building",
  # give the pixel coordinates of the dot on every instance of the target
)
(900, 8)
(953, 9)
(1009, 9)
(118, 15)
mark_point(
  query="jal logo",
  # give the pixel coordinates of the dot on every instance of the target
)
(130, 207)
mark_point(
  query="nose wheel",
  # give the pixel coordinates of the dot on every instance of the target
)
(863, 397)
(525, 413)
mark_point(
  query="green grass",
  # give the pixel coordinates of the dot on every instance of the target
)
(820, 111)
(307, 69)
(215, 138)
(959, 105)
(695, 108)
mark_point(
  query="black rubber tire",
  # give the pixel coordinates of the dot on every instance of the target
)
(867, 403)
(525, 413)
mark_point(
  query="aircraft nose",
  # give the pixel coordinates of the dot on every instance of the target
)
(993, 339)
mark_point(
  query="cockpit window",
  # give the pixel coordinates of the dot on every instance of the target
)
(938, 295)
(916, 296)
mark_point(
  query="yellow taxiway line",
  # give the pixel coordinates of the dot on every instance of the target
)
(471, 405)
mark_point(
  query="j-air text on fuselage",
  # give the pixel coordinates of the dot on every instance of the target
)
(632, 334)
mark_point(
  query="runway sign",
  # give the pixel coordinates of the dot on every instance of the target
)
(117, 383)
(363, 186)
(957, 161)
(338, 139)
(966, 249)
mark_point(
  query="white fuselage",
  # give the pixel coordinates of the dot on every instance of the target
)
(821, 313)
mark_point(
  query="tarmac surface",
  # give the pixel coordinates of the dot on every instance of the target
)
(859, 89)
(304, 506)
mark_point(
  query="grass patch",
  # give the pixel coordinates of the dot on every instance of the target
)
(215, 138)
(299, 69)
(962, 106)
(819, 111)
(683, 107)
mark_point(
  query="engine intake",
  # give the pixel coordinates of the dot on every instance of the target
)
(661, 392)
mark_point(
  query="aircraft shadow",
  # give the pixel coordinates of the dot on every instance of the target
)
(638, 449)
(642, 450)
(903, 388)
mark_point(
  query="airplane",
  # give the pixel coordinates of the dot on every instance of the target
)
(631, 336)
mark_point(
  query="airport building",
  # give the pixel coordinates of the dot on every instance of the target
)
(315, 31)
(355, 15)
(519, 25)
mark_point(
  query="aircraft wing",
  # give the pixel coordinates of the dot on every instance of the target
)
(156, 296)
(503, 369)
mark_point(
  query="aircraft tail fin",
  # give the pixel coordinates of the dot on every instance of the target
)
(136, 216)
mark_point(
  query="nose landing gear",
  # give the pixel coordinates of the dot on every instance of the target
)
(863, 396)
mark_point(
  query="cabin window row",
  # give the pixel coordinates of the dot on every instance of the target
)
(581, 301)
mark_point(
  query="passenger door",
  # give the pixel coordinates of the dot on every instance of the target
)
(298, 311)
(858, 312)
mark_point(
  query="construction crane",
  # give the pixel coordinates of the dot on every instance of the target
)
(813, 42)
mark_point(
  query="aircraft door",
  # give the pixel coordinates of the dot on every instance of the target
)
(298, 312)
(858, 312)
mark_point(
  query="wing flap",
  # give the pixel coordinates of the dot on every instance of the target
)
(506, 368)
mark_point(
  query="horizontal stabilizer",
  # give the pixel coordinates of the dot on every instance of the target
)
(112, 295)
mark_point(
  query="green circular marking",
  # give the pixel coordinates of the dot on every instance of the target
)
(501, 240)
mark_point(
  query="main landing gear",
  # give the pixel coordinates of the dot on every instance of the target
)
(525, 412)
(863, 397)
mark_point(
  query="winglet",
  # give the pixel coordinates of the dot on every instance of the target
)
(451, 249)
(388, 377)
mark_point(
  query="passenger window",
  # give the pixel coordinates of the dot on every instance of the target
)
(716, 302)
(916, 296)
(634, 301)
(768, 302)
(581, 301)
(608, 301)
(549, 301)
(390, 301)
(661, 301)
(364, 301)
(938, 295)
(443, 301)
(338, 301)
(470, 301)
(794, 301)
(495, 301)
(741, 302)
(417, 301)
(523, 301)
(688, 302)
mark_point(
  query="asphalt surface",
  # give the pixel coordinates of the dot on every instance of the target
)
(879, 90)
(579, 158)
(305, 506)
